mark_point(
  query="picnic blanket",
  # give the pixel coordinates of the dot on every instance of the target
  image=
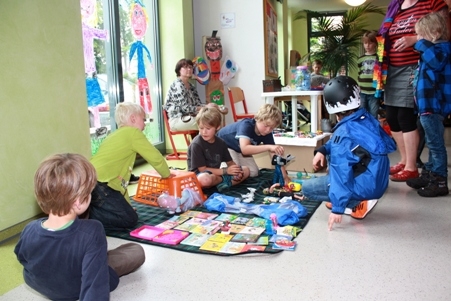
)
(150, 215)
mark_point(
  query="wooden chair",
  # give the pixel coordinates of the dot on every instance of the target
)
(236, 95)
(188, 135)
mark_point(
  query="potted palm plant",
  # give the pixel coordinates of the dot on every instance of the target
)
(341, 41)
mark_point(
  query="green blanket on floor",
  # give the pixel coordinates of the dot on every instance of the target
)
(149, 215)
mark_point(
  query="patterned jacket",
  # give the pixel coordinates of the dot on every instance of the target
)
(433, 89)
(181, 101)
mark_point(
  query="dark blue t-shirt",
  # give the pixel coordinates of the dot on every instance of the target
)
(244, 128)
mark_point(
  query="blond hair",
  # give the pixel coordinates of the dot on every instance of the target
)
(209, 116)
(269, 113)
(61, 180)
(126, 109)
(433, 27)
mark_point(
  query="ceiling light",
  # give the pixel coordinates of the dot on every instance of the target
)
(355, 2)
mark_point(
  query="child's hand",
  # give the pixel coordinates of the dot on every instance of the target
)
(319, 161)
(334, 218)
(277, 149)
(234, 170)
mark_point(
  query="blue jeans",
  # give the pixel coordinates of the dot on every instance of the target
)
(434, 131)
(317, 189)
(111, 208)
(370, 103)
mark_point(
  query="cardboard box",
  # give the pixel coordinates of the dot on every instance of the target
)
(301, 148)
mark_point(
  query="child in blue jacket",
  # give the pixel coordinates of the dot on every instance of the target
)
(433, 97)
(357, 153)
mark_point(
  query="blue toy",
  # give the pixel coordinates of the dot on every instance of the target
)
(278, 162)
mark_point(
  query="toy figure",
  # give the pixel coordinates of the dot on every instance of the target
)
(275, 190)
(139, 20)
(278, 162)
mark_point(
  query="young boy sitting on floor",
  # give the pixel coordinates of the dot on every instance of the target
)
(114, 163)
(207, 152)
(358, 162)
(64, 257)
(249, 137)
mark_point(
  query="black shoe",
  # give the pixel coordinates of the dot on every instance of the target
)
(437, 187)
(133, 179)
(422, 181)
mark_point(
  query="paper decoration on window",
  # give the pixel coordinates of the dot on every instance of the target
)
(90, 32)
(139, 20)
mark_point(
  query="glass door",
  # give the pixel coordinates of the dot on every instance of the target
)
(122, 63)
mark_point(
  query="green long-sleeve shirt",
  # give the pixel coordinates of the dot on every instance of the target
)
(116, 156)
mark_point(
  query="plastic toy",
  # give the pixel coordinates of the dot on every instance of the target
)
(275, 190)
(294, 186)
(278, 162)
(248, 197)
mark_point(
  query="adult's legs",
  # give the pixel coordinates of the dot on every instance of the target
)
(177, 124)
(111, 208)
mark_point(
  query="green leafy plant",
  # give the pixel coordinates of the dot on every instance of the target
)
(342, 40)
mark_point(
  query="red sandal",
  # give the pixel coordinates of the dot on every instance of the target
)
(397, 168)
(404, 175)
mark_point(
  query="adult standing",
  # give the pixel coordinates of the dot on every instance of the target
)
(399, 66)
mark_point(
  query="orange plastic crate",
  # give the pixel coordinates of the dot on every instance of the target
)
(151, 186)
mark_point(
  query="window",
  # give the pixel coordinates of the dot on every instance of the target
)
(122, 63)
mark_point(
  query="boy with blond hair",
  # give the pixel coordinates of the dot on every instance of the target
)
(114, 164)
(64, 257)
(251, 136)
(207, 152)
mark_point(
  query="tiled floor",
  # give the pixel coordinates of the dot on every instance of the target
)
(400, 251)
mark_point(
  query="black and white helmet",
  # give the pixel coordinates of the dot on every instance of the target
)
(341, 94)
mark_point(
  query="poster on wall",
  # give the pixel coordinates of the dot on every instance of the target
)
(271, 57)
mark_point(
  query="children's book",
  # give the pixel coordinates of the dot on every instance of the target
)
(206, 215)
(220, 237)
(249, 247)
(190, 213)
(205, 229)
(288, 230)
(212, 246)
(195, 239)
(252, 230)
(288, 245)
(170, 237)
(146, 232)
(232, 247)
(167, 225)
(226, 217)
(276, 237)
(179, 219)
(185, 227)
(236, 228)
(240, 220)
(257, 222)
(262, 241)
(245, 237)
(195, 221)
(209, 222)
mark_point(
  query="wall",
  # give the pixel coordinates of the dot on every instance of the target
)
(42, 96)
(244, 44)
(176, 42)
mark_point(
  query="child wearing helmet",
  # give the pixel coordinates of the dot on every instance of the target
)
(357, 154)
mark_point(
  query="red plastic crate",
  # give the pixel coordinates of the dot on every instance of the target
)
(151, 186)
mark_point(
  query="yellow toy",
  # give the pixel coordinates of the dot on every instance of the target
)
(295, 186)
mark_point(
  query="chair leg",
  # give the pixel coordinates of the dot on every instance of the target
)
(175, 155)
